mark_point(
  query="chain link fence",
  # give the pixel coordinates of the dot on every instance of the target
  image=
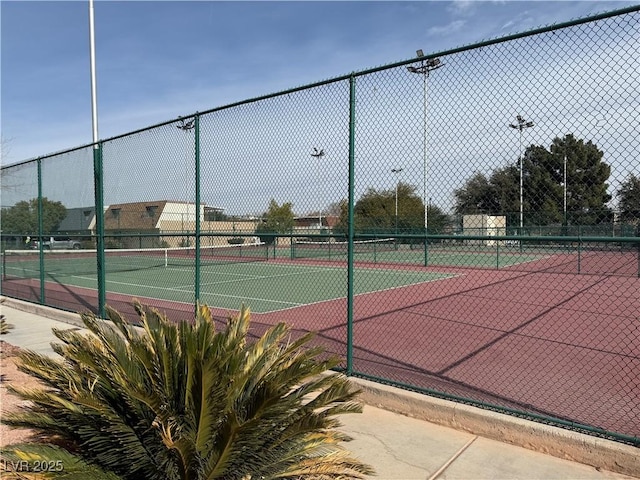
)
(464, 224)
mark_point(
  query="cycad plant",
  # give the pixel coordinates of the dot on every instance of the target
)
(4, 325)
(180, 400)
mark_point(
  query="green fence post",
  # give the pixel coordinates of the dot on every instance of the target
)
(375, 249)
(497, 254)
(426, 251)
(99, 202)
(351, 232)
(40, 233)
(638, 256)
(197, 206)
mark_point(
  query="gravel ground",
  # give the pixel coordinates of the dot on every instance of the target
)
(10, 375)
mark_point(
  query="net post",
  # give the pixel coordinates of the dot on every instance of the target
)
(375, 249)
(426, 251)
(579, 255)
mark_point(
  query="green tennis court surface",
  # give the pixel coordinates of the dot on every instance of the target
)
(265, 286)
(387, 251)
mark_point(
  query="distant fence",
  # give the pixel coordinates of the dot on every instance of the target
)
(339, 209)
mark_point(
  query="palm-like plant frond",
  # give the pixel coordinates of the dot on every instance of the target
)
(4, 325)
(179, 400)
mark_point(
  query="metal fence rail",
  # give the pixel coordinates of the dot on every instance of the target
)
(463, 224)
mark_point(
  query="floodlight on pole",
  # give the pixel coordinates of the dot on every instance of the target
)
(520, 126)
(396, 171)
(426, 66)
(318, 154)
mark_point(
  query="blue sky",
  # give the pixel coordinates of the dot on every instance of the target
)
(158, 60)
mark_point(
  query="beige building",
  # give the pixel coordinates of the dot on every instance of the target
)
(484, 225)
(165, 223)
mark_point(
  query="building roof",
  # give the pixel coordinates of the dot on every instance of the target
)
(137, 216)
(78, 219)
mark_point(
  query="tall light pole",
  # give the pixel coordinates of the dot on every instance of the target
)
(94, 89)
(396, 171)
(426, 66)
(318, 154)
(186, 126)
(520, 126)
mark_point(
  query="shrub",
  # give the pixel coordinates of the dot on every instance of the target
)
(180, 400)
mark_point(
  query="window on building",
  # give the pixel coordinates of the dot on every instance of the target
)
(151, 210)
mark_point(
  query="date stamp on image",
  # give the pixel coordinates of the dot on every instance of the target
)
(33, 466)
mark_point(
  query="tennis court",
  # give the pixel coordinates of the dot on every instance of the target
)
(472, 332)
(229, 277)
(389, 250)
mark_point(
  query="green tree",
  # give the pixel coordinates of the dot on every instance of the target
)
(277, 219)
(342, 227)
(180, 400)
(478, 196)
(22, 218)
(375, 213)
(629, 199)
(587, 176)
(543, 190)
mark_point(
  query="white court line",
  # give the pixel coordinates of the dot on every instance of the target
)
(293, 304)
(294, 273)
(191, 270)
(447, 277)
(266, 300)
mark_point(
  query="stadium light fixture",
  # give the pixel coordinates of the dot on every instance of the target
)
(520, 125)
(186, 125)
(318, 154)
(425, 68)
(396, 171)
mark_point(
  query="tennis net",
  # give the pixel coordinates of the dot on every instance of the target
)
(26, 263)
(306, 249)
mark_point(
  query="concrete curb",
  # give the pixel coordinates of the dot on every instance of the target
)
(44, 311)
(558, 442)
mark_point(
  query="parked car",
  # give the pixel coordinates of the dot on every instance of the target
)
(58, 243)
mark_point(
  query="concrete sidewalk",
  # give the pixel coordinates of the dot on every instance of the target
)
(405, 448)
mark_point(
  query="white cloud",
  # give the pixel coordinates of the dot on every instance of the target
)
(448, 29)
(461, 7)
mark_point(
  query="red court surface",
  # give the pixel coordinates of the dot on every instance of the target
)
(562, 345)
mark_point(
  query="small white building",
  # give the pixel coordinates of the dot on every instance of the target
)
(484, 225)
